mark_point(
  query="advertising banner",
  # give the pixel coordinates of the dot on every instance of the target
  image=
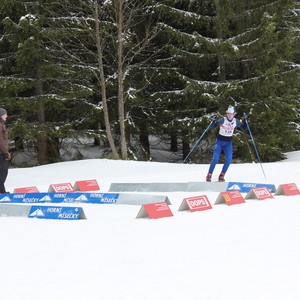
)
(230, 198)
(95, 198)
(56, 212)
(61, 188)
(259, 193)
(86, 185)
(197, 203)
(244, 187)
(25, 198)
(29, 189)
(288, 189)
(155, 211)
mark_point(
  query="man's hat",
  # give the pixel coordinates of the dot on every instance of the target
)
(2, 112)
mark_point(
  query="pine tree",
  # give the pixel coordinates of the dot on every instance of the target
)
(41, 89)
(231, 53)
(192, 68)
(264, 48)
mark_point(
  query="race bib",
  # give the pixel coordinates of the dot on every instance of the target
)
(227, 128)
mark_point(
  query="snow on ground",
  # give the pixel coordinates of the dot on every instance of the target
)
(248, 251)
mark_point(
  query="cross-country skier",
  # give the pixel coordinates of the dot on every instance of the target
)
(223, 141)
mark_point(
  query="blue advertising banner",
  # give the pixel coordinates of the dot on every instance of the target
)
(25, 198)
(4, 198)
(245, 187)
(104, 198)
(96, 198)
(80, 197)
(56, 212)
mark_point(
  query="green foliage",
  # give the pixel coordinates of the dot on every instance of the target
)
(200, 57)
(244, 60)
(40, 83)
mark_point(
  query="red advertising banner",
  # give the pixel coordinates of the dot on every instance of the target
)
(155, 211)
(259, 193)
(26, 190)
(196, 203)
(230, 198)
(61, 188)
(86, 185)
(288, 189)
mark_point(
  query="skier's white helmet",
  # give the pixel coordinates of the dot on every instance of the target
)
(231, 110)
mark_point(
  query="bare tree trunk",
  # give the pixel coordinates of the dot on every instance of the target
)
(121, 100)
(125, 12)
(42, 137)
(144, 140)
(185, 144)
(102, 84)
(174, 142)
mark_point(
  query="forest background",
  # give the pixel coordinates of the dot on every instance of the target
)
(128, 76)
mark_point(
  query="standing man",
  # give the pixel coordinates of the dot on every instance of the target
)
(223, 142)
(4, 154)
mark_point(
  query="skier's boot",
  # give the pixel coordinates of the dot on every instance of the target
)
(208, 177)
(221, 177)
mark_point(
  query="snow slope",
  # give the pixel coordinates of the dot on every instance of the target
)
(248, 251)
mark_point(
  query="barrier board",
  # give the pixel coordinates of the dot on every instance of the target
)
(26, 198)
(44, 212)
(4, 198)
(83, 197)
(207, 186)
(86, 185)
(93, 198)
(155, 211)
(148, 187)
(75, 197)
(288, 189)
(197, 203)
(245, 187)
(61, 188)
(259, 194)
(140, 199)
(14, 210)
(29, 189)
(169, 187)
(230, 198)
(57, 212)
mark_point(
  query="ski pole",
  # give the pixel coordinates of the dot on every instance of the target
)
(248, 127)
(197, 142)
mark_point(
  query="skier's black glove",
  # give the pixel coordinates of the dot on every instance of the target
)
(213, 118)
